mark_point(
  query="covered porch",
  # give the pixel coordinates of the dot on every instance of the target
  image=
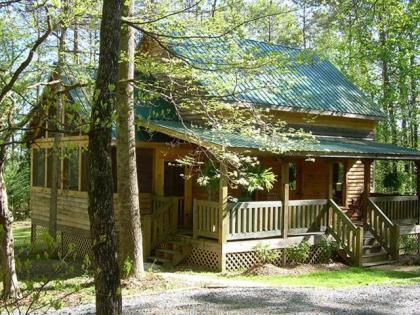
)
(327, 190)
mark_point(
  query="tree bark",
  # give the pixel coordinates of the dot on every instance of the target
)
(101, 213)
(8, 270)
(55, 152)
(130, 234)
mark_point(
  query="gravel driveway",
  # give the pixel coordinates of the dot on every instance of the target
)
(286, 300)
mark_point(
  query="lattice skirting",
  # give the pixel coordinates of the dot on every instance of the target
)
(80, 241)
(415, 237)
(203, 258)
(245, 260)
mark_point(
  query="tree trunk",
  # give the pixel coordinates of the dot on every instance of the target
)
(55, 152)
(101, 212)
(8, 269)
(130, 236)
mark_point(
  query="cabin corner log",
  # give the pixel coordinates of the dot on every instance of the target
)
(366, 188)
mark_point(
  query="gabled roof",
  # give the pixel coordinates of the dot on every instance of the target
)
(315, 86)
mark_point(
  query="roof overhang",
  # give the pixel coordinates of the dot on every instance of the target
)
(328, 147)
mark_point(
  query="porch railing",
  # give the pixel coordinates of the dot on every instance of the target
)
(307, 215)
(385, 231)
(206, 219)
(162, 222)
(255, 219)
(398, 208)
(349, 236)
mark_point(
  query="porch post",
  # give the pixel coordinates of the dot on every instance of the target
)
(330, 191)
(188, 196)
(418, 189)
(366, 188)
(418, 177)
(223, 216)
(284, 196)
(158, 173)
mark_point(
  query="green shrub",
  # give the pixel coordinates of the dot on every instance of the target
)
(266, 254)
(17, 176)
(410, 246)
(299, 253)
(328, 249)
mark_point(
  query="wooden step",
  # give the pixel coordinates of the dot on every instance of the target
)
(370, 249)
(159, 260)
(379, 263)
(375, 257)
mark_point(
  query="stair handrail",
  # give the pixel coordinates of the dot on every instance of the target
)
(163, 219)
(346, 233)
(383, 229)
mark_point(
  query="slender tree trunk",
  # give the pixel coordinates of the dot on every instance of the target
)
(130, 235)
(101, 212)
(55, 152)
(8, 270)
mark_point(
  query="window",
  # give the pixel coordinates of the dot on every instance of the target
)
(38, 175)
(292, 176)
(83, 171)
(71, 169)
(38, 168)
(50, 166)
(338, 182)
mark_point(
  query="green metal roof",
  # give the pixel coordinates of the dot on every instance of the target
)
(327, 146)
(316, 85)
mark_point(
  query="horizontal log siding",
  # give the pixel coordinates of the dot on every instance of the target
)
(355, 178)
(72, 208)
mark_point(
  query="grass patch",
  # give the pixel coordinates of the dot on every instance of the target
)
(22, 234)
(341, 278)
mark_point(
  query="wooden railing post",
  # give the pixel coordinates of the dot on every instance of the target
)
(359, 247)
(158, 173)
(418, 190)
(195, 219)
(284, 196)
(188, 185)
(395, 242)
(223, 224)
(147, 234)
(366, 188)
(174, 212)
(330, 192)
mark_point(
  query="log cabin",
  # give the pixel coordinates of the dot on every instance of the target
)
(316, 192)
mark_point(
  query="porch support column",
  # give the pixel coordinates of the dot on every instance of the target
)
(330, 190)
(284, 196)
(418, 188)
(158, 173)
(188, 196)
(223, 223)
(366, 188)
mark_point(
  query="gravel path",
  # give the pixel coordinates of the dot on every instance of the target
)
(285, 300)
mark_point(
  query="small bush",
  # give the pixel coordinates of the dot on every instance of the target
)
(299, 253)
(410, 246)
(266, 254)
(328, 249)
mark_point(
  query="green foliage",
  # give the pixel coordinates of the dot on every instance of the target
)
(328, 249)
(266, 254)
(17, 176)
(127, 267)
(299, 253)
(409, 245)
